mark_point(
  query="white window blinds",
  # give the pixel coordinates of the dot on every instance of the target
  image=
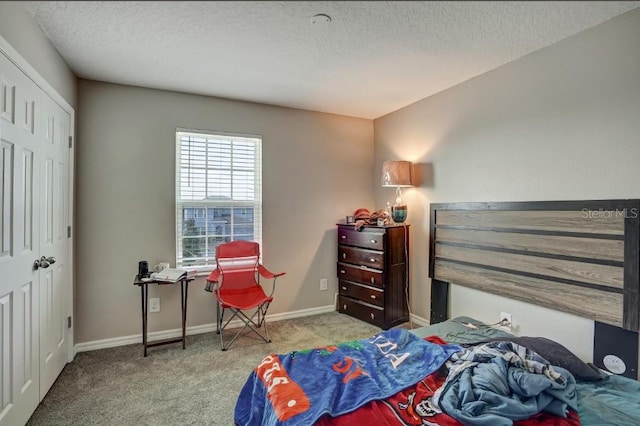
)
(218, 194)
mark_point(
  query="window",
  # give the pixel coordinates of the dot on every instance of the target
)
(218, 194)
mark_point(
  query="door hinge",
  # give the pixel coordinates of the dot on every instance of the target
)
(68, 231)
(69, 322)
(70, 141)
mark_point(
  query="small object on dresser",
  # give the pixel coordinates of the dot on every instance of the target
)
(399, 213)
(350, 219)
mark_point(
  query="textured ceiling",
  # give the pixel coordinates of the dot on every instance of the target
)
(372, 59)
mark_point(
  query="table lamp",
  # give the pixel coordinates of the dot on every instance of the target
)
(398, 174)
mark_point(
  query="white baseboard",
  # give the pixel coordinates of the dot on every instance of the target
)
(419, 320)
(207, 328)
(196, 329)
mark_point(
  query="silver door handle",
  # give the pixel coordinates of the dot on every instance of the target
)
(44, 262)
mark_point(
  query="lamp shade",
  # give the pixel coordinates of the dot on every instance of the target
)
(396, 173)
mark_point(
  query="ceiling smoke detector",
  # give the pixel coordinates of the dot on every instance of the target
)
(320, 19)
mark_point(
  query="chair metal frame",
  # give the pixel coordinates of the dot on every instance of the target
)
(215, 284)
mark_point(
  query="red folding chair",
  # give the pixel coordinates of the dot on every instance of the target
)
(236, 285)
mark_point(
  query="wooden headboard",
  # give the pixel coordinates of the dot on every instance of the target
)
(580, 257)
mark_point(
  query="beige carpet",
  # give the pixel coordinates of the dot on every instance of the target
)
(195, 386)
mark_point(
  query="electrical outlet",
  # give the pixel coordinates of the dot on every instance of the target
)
(505, 317)
(154, 304)
(323, 284)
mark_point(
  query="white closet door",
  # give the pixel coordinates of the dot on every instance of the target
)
(20, 110)
(55, 280)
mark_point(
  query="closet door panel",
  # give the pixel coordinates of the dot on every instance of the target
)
(54, 243)
(20, 109)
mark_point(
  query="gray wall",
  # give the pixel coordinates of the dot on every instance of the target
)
(562, 123)
(24, 35)
(558, 124)
(317, 168)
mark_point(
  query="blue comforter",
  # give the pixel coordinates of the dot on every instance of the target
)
(299, 387)
(498, 382)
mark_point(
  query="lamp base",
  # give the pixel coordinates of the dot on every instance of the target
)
(399, 213)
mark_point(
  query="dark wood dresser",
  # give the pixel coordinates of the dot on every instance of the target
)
(372, 273)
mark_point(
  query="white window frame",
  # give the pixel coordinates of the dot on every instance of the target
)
(207, 263)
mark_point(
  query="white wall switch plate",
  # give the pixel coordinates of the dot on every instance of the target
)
(154, 304)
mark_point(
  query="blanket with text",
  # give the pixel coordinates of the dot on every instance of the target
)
(299, 387)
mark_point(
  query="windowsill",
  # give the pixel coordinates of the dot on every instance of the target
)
(201, 271)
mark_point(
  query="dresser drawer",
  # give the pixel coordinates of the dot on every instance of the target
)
(365, 239)
(373, 259)
(368, 313)
(360, 274)
(362, 292)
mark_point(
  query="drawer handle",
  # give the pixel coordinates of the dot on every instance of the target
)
(372, 260)
(344, 307)
(374, 241)
(344, 288)
(372, 316)
(344, 255)
(373, 296)
(373, 280)
(344, 237)
(342, 271)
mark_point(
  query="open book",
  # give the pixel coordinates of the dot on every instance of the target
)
(172, 275)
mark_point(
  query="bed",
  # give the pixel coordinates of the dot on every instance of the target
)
(580, 257)
(601, 398)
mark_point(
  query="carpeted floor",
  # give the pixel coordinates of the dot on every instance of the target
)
(195, 386)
